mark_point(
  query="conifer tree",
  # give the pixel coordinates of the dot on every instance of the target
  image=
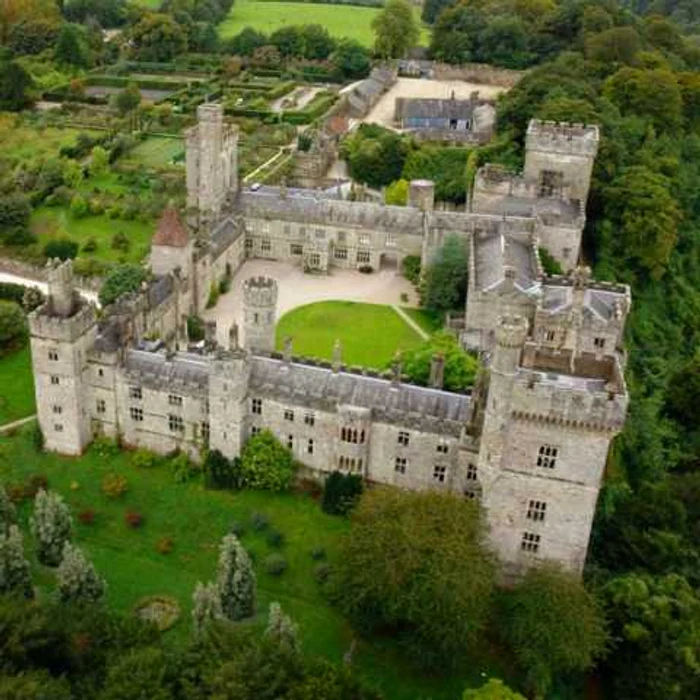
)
(77, 579)
(8, 513)
(52, 526)
(15, 575)
(282, 629)
(206, 608)
(235, 580)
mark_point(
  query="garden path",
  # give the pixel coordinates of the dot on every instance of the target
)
(410, 322)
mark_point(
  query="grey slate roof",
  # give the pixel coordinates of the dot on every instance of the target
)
(493, 252)
(423, 408)
(155, 370)
(435, 108)
(597, 303)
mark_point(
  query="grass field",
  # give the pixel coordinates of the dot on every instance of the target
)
(196, 520)
(340, 20)
(370, 334)
(156, 152)
(16, 386)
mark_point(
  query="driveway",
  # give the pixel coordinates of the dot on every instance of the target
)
(297, 289)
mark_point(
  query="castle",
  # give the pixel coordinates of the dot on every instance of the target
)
(531, 440)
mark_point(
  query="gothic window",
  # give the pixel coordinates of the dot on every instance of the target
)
(136, 413)
(599, 343)
(340, 253)
(309, 419)
(58, 427)
(547, 456)
(400, 465)
(204, 430)
(290, 442)
(364, 239)
(363, 256)
(256, 406)
(403, 438)
(288, 414)
(135, 392)
(442, 447)
(57, 409)
(472, 472)
(530, 542)
(310, 446)
(175, 400)
(439, 473)
(53, 355)
(265, 245)
(176, 424)
(350, 464)
(296, 249)
(536, 510)
(54, 379)
(101, 406)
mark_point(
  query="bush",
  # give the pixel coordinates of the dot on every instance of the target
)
(165, 545)
(237, 528)
(220, 472)
(275, 538)
(259, 521)
(62, 248)
(195, 329)
(78, 207)
(266, 463)
(410, 268)
(318, 553)
(275, 564)
(122, 280)
(120, 241)
(224, 285)
(322, 572)
(13, 326)
(144, 459)
(87, 516)
(90, 246)
(114, 485)
(341, 493)
(366, 269)
(133, 519)
(34, 484)
(183, 468)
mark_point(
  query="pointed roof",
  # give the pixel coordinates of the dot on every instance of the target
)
(170, 231)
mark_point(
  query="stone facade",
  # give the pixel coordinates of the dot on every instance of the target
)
(531, 440)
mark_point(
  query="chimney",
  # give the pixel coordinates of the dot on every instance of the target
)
(337, 356)
(210, 335)
(396, 370)
(437, 371)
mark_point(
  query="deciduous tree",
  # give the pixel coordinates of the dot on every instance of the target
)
(266, 463)
(395, 29)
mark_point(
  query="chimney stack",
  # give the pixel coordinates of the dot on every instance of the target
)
(437, 371)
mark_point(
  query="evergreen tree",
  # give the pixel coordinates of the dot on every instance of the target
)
(52, 527)
(235, 580)
(282, 630)
(206, 608)
(77, 579)
(15, 576)
(8, 513)
(446, 276)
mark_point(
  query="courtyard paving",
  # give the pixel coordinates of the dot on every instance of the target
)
(297, 288)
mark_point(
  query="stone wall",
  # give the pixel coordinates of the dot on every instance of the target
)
(477, 73)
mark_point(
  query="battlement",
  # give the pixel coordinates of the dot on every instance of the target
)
(511, 331)
(211, 112)
(260, 292)
(562, 137)
(44, 324)
(600, 285)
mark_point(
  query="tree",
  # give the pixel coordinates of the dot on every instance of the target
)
(375, 155)
(206, 607)
(52, 526)
(99, 161)
(235, 580)
(158, 37)
(266, 463)
(615, 45)
(456, 34)
(552, 624)
(397, 193)
(13, 12)
(341, 493)
(135, 674)
(127, 100)
(221, 472)
(446, 276)
(432, 9)
(351, 58)
(34, 685)
(72, 47)
(495, 689)
(504, 42)
(245, 43)
(123, 279)
(282, 630)
(15, 87)
(14, 213)
(395, 29)
(415, 562)
(288, 41)
(77, 579)
(31, 37)
(317, 43)
(61, 248)
(13, 326)
(15, 574)
(8, 512)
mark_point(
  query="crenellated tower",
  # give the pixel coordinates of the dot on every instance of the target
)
(259, 313)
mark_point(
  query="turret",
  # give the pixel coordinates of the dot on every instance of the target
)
(259, 313)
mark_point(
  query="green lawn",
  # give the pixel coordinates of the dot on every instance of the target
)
(340, 20)
(16, 386)
(429, 321)
(196, 520)
(156, 152)
(370, 334)
(58, 222)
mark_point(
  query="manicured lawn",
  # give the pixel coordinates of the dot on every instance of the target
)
(429, 321)
(156, 152)
(370, 334)
(16, 386)
(58, 222)
(340, 20)
(196, 519)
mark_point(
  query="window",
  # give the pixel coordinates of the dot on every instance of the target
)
(403, 438)
(101, 406)
(309, 419)
(598, 343)
(57, 409)
(288, 414)
(536, 510)
(176, 424)
(249, 244)
(342, 236)
(136, 413)
(472, 472)
(550, 335)
(442, 447)
(135, 392)
(296, 249)
(204, 430)
(53, 355)
(350, 464)
(320, 234)
(390, 240)
(265, 245)
(550, 182)
(310, 446)
(290, 442)
(439, 473)
(530, 542)
(58, 427)
(314, 260)
(54, 379)
(265, 227)
(352, 435)
(364, 239)
(175, 400)
(363, 256)
(256, 406)
(400, 465)
(100, 372)
(340, 253)
(254, 430)
(547, 456)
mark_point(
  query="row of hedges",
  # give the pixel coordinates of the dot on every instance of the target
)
(358, 3)
(315, 109)
(103, 80)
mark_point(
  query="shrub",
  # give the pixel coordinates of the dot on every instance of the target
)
(213, 295)
(275, 538)
(221, 473)
(114, 485)
(404, 298)
(122, 280)
(105, 447)
(183, 468)
(195, 329)
(120, 241)
(62, 248)
(341, 493)
(275, 564)
(318, 553)
(133, 519)
(410, 268)
(322, 572)
(237, 528)
(259, 521)
(13, 326)
(224, 285)
(16, 492)
(87, 516)
(78, 207)
(90, 246)
(144, 459)
(366, 269)
(165, 545)
(266, 463)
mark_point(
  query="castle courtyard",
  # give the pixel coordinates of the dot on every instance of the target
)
(297, 288)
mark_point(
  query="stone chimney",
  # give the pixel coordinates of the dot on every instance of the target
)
(437, 371)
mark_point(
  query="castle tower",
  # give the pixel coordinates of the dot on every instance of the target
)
(62, 332)
(211, 159)
(559, 158)
(259, 313)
